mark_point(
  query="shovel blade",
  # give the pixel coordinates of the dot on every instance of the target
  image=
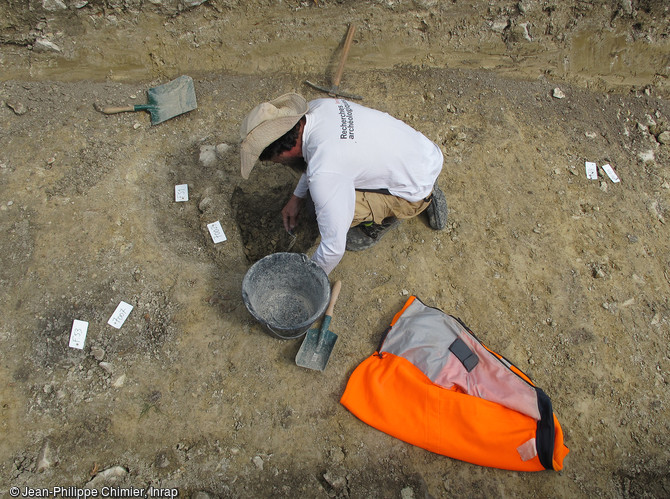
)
(171, 99)
(316, 349)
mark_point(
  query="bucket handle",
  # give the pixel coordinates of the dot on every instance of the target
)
(280, 336)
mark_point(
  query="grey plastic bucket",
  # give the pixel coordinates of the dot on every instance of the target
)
(287, 293)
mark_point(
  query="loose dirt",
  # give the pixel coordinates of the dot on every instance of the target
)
(567, 277)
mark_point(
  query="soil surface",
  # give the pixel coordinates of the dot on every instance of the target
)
(567, 277)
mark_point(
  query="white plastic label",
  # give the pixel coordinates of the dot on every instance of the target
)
(611, 174)
(216, 232)
(120, 315)
(181, 192)
(78, 334)
(591, 170)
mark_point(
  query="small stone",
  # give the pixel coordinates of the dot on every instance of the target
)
(520, 32)
(664, 137)
(45, 459)
(98, 353)
(336, 482)
(107, 367)
(118, 382)
(258, 462)
(558, 93)
(650, 121)
(44, 45)
(221, 150)
(646, 156)
(499, 25)
(404, 292)
(53, 5)
(18, 107)
(336, 455)
(110, 475)
(407, 493)
(208, 156)
(162, 460)
(205, 204)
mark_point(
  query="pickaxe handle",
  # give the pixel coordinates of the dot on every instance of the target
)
(345, 53)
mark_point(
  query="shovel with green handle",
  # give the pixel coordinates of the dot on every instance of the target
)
(164, 101)
(318, 343)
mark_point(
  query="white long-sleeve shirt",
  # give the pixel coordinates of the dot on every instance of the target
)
(348, 146)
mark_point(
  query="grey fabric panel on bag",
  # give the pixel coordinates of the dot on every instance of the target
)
(422, 335)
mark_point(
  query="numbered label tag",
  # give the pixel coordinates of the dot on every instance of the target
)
(611, 173)
(216, 232)
(78, 334)
(591, 170)
(120, 315)
(181, 192)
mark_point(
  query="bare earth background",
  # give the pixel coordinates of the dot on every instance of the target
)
(567, 277)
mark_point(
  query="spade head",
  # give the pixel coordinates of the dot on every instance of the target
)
(317, 347)
(170, 99)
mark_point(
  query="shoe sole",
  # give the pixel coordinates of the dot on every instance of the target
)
(357, 240)
(437, 211)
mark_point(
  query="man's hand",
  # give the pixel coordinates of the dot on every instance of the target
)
(290, 212)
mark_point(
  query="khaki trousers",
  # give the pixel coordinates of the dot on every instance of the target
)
(375, 207)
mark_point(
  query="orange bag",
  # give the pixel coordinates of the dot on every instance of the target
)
(434, 385)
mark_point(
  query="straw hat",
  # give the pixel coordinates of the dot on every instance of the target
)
(265, 124)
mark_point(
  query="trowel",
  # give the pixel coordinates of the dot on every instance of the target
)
(318, 343)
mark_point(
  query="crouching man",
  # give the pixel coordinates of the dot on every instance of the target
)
(363, 169)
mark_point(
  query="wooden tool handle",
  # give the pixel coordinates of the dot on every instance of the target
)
(334, 293)
(114, 110)
(345, 53)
